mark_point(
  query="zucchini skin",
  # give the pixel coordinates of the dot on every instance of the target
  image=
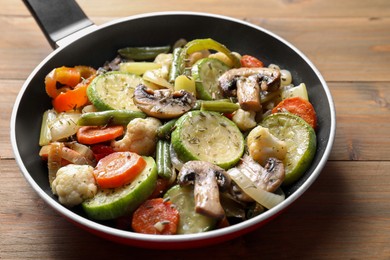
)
(194, 138)
(113, 203)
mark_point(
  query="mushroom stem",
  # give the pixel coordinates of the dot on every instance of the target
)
(248, 94)
(207, 179)
(267, 79)
(204, 197)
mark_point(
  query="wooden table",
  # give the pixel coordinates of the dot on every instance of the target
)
(344, 215)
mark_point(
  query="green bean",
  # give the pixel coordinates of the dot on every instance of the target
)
(221, 106)
(163, 159)
(164, 131)
(109, 117)
(174, 70)
(142, 53)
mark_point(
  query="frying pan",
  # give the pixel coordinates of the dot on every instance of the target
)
(78, 41)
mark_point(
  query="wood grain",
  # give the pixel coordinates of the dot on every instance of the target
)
(344, 215)
(343, 49)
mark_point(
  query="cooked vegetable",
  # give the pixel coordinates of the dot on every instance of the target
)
(265, 198)
(186, 83)
(221, 151)
(208, 136)
(109, 117)
(166, 129)
(63, 76)
(190, 222)
(113, 90)
(268, 79)
(249, 61)
(206, 73)
(248, 93)
(163, 103)
(100, 151)
(140, 136)
(156, 216)
(72, 99)
(113, 203)
(263, 145)
(174, 69)
(285, 77)
(142, 53)
(54, 160)
(162, 185)
(138, 68)
(74, 184)
(300, 107)
(295, 91)
(75, 157)
(163, 159)
(300, 140)
(245, 120)
(98, 134)
(224, 58)
(118, 169)
(268, 177)
(207, 179)
(45, 135)
(220, 106)
(204, 44)
(155, 77)
(63, 126)
(68, 86)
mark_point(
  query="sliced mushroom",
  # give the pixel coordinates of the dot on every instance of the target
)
(248, 94)
(208, 180)
(268, 79)
(163, 103)
(268, 178)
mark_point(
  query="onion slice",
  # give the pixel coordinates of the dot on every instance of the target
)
(264, 198)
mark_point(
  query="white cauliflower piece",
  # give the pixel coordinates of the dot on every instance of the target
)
(263, 145)
(140, 136)
(245, 120)
(74, 184)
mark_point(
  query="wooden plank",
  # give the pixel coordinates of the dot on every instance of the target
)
(357, 51)
(247, 8)
(346, 215)
(363, 113)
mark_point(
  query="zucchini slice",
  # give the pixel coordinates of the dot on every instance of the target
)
(190, 222)
(300, 139)
(206, 73)
(113, 90)
(208, 136)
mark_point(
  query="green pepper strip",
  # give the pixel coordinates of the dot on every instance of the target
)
(109, 117)
(142, 53)
(205, 44)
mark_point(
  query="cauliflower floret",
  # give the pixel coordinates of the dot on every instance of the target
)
(74, 184)
(140, 137)
(263, 145)
(245, 120)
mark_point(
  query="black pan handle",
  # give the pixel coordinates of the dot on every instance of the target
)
(58, 18)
